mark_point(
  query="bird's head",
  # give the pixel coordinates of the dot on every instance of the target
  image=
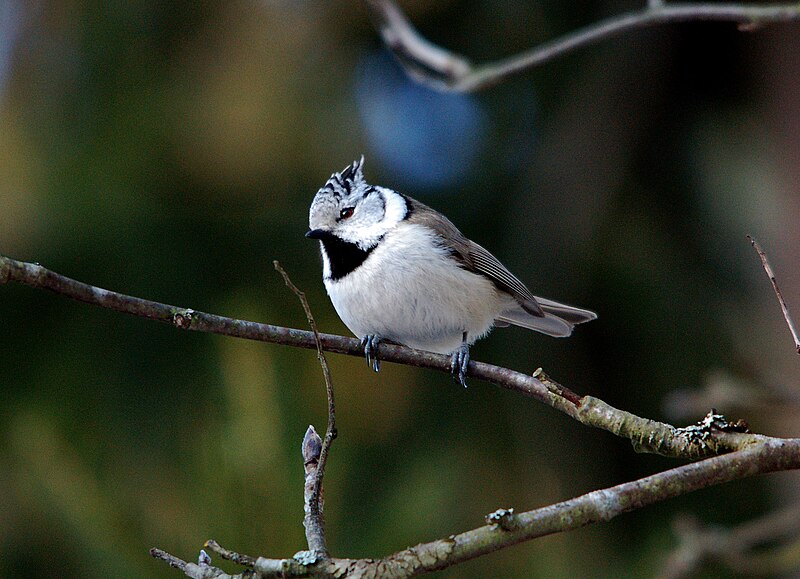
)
(353, 211)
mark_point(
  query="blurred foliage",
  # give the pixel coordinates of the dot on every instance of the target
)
(170, 151)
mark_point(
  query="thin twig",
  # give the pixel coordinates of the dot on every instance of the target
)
(315, 527)
(199, 570)
(173, 561)
(771, 275)
(646, 435)
(442, 69)
(238, 558)
(261, 566)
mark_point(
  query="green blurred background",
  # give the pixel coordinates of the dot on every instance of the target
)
(171, 150)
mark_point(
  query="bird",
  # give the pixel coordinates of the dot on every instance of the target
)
(398, 271)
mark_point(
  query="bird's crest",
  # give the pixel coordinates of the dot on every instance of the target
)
(342, 183)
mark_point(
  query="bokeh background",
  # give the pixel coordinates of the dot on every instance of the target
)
(171, 150)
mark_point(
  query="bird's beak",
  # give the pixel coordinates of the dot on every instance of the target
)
(317, 233)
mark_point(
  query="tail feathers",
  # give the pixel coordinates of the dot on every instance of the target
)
(558, 320)
(567, 313)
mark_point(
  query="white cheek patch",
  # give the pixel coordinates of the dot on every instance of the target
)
(395, 210)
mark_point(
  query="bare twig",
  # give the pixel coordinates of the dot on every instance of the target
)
(646, 435)
(768, 269)
(238, 558)
(314, 522)
(441, 69)
(171, 559)
(261, 566)
(713, 435)
(199, 570)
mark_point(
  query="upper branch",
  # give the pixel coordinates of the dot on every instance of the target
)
(442, 69)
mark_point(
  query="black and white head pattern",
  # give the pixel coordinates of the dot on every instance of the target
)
(350, 218)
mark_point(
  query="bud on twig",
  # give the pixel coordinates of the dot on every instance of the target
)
(311, 448)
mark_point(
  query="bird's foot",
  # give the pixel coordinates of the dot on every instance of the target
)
(459, 361)
(371, 343)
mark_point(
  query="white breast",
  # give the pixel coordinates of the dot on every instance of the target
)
(411, 291)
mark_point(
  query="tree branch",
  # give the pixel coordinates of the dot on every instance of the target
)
(646, 435)
(441, 69)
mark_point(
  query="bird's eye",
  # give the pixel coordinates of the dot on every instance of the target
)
(346, 213)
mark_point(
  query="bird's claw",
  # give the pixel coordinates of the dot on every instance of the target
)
(458, 364)
(371, 343)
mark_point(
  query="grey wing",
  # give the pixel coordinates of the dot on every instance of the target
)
(487, 264)
(473, 256)
(540, 314)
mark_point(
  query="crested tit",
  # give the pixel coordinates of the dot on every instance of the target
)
(395, 269)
